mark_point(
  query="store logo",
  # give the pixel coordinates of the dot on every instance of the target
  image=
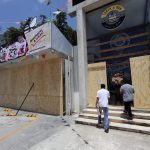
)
(119, 40)
(113, 16)
(37, 38)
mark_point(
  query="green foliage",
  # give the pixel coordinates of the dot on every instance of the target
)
(11, 35)
(62, 25)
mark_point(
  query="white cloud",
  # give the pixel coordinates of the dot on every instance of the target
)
(41, 1)
(44, 1)
(5, 1)
(36, 8)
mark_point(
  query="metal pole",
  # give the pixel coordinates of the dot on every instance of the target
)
(25, 98)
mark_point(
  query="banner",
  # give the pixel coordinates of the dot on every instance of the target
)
(14, 51)
(39, 39)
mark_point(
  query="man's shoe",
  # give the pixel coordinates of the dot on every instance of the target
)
(98, 126)
(130, 118)
(107, 130)
(125, 112)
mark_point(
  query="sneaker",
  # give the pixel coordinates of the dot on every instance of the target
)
(125, 112)
(106, 130)
(130, 118)
(98, 126)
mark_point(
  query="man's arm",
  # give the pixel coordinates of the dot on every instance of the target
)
(121, 91)
(97, 99)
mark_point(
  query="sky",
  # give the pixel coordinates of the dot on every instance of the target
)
(19, 10)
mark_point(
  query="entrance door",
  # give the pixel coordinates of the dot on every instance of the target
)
(96, 76)
(115, 74)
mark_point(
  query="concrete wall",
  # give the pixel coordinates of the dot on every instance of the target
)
(47, 94)
(140, 70)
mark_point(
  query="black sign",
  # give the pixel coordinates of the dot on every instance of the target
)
(75, 2)
(113, 16)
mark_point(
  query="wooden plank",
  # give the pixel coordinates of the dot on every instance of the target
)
(47, 76)
(124, 47)
(124, 55)
(120, 39)
(96, 76)
(140, 70)
(118, 64)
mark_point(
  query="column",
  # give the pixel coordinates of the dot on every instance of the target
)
(82, 58)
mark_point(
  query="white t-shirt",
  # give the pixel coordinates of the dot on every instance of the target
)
(103, 96)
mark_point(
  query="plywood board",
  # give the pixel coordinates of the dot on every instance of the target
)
(140, 70)
(46, 95)
(96, 76)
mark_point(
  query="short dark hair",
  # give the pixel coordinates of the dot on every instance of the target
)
(103, 86)
(125, 81)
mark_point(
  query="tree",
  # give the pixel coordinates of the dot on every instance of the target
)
(61, 23)
(11, 35)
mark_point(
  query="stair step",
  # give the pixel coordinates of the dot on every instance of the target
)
(119, 113)
(121, 108)
(141, 122)
(118, 126)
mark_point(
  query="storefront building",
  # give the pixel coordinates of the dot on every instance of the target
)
(113, 43)
(46, 64)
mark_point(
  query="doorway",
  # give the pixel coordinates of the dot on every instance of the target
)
(115, 75)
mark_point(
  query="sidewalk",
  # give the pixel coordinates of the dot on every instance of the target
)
(80, 137)
(47, 132)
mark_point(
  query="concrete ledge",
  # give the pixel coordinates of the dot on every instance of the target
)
(119, 113)
(118, 126)
(141, 122)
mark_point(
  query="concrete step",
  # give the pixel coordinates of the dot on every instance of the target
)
(118, 126)
(121, 108)
(119, 113)
(141, 122)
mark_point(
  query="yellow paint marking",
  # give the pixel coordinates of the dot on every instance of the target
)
(18, 129)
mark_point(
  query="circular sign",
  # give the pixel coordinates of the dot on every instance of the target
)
(119, 40)
(113, 16)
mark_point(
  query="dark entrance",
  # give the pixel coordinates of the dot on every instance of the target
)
(116, 49)
(115, 75)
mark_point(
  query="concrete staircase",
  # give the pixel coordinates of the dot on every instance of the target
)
(117, 119)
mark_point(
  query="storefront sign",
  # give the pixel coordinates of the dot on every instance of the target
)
(39, 39)
(113, 16)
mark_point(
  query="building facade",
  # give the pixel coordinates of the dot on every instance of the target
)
(45, 64)
(113, 43)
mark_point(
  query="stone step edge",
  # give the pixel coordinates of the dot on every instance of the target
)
(121, 114)
(117, 126)
(119, 120)
(115, 112)
(121, 109)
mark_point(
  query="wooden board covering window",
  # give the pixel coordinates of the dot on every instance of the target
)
(96, 76)
(140, 70)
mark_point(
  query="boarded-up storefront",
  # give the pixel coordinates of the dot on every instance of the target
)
(47, 93)
(96, 77)
(140, 70)
(43, 65)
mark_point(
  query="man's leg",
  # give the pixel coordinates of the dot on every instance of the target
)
(106, 122)
(99, 117)
(125, 107)
(129, 110)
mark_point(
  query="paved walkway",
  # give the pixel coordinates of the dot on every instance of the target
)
(56, 133)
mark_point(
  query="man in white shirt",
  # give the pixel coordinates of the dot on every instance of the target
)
(102, 104)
